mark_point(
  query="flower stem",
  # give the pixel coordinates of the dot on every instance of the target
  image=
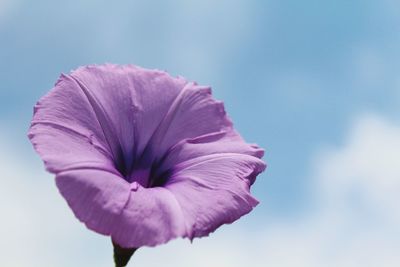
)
(122, 255)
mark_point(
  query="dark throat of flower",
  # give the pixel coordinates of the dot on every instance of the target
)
(122, 255)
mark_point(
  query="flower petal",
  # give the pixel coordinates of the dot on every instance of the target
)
(214, 190)
(114, 109)
(96, 197)
(215, 143)
(65, 131)
(129, 104)
(152, 216)
(194, 113)
(64, 149)
(132, 215)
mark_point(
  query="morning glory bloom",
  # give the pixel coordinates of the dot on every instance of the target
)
(144, 157)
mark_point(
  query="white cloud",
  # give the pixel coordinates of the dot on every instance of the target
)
(354, 222)
(358, 190)
(366, 169)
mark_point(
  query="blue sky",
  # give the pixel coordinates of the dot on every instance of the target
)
(300, 78)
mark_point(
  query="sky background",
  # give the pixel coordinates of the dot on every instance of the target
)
(315, 83)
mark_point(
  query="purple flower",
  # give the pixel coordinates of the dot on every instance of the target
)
(142, 156)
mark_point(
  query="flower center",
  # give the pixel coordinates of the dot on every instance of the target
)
(145, 171)
(140, 176)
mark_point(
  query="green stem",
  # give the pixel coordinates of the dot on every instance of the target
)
(122, 255)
